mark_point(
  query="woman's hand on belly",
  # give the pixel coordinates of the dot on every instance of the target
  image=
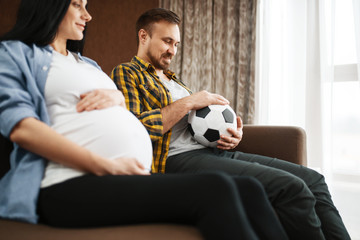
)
(100, 99)
(127, 166)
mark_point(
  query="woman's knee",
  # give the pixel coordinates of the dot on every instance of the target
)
(216, 184)
(218, 179)
(223, 184)
(248, 182)
(250, 187)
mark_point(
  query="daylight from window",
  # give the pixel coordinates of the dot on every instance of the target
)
(346, 94)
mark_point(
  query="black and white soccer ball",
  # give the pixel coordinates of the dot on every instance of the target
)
(207, 124)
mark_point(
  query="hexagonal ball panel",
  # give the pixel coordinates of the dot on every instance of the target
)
(212, 135)
(203, 112)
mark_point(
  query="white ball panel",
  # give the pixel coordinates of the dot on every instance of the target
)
(199, 125)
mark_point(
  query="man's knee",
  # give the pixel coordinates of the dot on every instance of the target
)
(292, 189)
(312, 177)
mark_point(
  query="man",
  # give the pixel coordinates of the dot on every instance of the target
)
(161, 102)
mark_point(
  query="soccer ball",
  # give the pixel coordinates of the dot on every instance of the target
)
(207, 124)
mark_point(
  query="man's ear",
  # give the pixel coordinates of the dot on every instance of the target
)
(143, 35)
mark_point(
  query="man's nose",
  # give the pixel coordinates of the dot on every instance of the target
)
(172, 50)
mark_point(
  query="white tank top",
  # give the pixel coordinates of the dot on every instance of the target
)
(181, 139)
(111, 133)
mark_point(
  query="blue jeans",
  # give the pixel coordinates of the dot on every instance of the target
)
(298, 194)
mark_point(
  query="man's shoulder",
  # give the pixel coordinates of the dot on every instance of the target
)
(128, 67)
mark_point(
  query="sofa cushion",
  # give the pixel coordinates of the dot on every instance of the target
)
(11, 230)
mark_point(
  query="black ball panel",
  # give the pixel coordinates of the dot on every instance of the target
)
(228, 116)
(203, 112)
(212, 135)
(191, 130)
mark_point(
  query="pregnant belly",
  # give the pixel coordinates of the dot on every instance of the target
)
(112, 133)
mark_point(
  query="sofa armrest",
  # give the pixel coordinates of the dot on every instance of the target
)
(282, 142)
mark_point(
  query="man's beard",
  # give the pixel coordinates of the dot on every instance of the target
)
(157, 62)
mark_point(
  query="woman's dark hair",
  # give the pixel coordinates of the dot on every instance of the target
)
(37, 22)
(148, 18)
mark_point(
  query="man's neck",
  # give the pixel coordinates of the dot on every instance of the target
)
(158, 71)
(162, 75)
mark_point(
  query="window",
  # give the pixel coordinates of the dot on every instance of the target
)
(346, 94)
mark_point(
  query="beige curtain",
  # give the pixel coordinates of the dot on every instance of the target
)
(217, 50)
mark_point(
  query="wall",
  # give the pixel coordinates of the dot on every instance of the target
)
(111, 37)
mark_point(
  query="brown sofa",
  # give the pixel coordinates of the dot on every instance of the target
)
(288, 143)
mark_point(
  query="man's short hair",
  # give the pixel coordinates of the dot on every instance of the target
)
(148, 18)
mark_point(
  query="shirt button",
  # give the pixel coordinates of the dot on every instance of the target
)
(45, 68)
(49, 54)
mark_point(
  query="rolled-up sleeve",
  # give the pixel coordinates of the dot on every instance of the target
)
(15, 101)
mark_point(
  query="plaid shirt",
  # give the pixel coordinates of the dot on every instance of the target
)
(145, 95)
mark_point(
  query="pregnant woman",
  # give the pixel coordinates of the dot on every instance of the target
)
(81, 159)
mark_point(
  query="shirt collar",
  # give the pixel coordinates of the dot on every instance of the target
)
(145, 66)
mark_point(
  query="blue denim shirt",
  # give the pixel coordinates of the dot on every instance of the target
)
(23, 73)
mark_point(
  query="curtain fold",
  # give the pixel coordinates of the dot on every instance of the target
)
(217, 50)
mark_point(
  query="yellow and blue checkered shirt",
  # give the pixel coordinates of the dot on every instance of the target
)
(145, 95)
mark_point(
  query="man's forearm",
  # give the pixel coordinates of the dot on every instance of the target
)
(174, 112)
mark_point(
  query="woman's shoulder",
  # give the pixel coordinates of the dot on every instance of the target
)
(19, 48)
(87, 60)
(10, 49)
(13, 44)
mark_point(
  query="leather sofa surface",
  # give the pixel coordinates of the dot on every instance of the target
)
(283, 142)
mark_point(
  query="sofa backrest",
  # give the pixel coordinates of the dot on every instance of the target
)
(5, 149)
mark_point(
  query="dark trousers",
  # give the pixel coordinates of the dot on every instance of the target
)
(220, 206)
(298, 194)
